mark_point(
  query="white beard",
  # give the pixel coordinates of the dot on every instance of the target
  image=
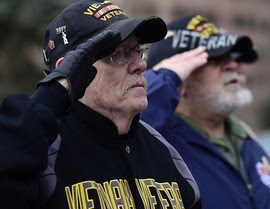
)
(221, 100)
(225, 102)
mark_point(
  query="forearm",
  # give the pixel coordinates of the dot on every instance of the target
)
(29, 125)
(27, 128)
(54, 96)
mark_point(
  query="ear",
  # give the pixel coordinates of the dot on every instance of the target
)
(59, 61)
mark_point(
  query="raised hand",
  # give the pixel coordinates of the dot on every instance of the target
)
(185, 63)
(77, 68)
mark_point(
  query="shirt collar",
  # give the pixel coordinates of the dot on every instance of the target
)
(234, 126)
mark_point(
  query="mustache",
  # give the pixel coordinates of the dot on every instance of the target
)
(136, 81)
(230, 76)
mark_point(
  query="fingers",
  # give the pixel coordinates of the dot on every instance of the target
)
(197, 58)
(105, 43)
(100, 45)
(198, 52)
(184, 64)
(107, 39)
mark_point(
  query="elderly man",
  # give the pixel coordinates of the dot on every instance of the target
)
(100, 154)
(197, 83)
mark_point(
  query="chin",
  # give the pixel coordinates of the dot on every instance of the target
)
(229, 102)
(140, 105)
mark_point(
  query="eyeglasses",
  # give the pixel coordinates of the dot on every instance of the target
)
(122, 54)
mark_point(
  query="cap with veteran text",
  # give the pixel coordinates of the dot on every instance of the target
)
(192, 31)
(86, 18)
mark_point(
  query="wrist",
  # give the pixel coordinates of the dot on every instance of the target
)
(64, 83)
(54, 96)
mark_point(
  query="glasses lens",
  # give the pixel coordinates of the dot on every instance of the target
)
(122, 54)
(144, 51)
(118, 56)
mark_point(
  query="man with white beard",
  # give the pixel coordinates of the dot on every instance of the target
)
(195, 83)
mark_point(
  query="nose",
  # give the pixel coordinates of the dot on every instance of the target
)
(137, 65)
(233, 65)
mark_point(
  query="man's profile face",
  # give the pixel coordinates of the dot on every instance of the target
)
(119, 87)
(221, 86)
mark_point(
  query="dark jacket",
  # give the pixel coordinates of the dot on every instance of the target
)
(89, 164)
(221, 185)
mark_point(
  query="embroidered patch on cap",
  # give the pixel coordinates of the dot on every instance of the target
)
(200, 32)
(200, 25)
(102, 11)
(62, 30)
(51, 44)
(191, 39)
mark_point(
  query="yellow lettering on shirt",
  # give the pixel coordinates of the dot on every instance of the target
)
(116, 194)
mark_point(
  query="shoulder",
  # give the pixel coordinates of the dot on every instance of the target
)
(163, 74)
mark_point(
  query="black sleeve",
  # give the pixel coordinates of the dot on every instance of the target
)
(27, 128)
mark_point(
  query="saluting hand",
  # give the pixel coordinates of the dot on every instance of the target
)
(76, 72)
(185, 63)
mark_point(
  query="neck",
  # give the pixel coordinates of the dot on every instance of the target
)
(212, 123)
(121, 121)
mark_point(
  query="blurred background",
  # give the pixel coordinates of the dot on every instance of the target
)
(23, 24)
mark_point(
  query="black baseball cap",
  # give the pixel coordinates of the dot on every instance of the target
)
(86, 18)
(193, 31)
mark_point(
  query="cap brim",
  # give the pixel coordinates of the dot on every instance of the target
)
(148, 30)
(242, 50)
